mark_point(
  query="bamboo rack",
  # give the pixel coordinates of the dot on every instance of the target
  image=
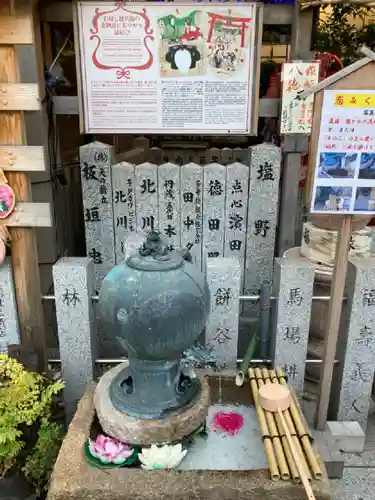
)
(279, 455)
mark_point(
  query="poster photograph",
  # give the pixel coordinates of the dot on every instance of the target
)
(344, 179)
(296, 115)
(166, 68)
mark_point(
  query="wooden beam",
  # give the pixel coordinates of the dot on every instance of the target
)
(65, 105)
(29, 215)
(62, 12)
(268, 108)
(336, 77)
(16, 30)
(367, 52)
(277, 14)
(57, 12)
(22, 159)
(289, 199)
(24, 249)
(302, 27)
(19, 97)
(47, 45)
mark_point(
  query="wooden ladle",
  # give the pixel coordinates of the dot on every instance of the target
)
(276, 398)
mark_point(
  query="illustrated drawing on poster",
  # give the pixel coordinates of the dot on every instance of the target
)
(344, 180)
(296, 115)
(166, 67)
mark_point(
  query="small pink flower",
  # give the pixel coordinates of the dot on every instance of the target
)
(110, 451)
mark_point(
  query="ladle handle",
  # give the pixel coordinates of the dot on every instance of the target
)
(305, 481)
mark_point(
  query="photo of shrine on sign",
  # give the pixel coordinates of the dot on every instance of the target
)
(166, 68)
(344, 180)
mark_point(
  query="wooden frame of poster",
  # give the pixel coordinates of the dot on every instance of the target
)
(121, 76)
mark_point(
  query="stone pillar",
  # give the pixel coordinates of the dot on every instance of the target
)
(224, 280)
(293, 285)
(241, 155)
(73, 281)
(123, 205)
(169, 204)
(191, 210)
(96, 160)
(357, 354)
(237, 183)
(214, 183)
(226, 156)
(9, 327)
(146, 197)
(262, 217)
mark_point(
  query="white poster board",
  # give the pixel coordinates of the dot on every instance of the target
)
(296, 115)
(344, 178)
(166, 68)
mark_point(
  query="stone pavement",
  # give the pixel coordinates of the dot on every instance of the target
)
(358, 482)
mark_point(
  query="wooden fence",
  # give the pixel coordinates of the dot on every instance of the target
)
(208, 201)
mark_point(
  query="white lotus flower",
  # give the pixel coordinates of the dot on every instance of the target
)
(162, 457)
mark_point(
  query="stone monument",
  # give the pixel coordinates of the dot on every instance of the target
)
(155, 306)
(318, 246)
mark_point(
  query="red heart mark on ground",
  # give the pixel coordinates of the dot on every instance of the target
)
(228, 423)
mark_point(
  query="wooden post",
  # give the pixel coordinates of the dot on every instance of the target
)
(354, 79)
(290, 178)
(294, 144)
(24, 249)
(334, 315)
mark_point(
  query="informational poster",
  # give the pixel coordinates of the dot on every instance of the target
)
(166, 67)
(296, 115)
(344, 180)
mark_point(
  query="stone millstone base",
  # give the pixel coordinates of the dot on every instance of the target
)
(136, 431)
(74, 479)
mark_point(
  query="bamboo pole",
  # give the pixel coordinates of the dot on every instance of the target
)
(288, 451)
(286, 446)
(293, 432)
(279, 452)
(240, 377)
(267, 442)
(301, 429)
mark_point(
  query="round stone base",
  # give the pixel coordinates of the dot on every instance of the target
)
(136, 431)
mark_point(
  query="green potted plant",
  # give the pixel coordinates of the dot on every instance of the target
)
(29, 436)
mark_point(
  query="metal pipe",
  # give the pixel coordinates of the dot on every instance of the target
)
(94, 298)
(239, 360)
(255, 298)
(264, 320)
(250, 298)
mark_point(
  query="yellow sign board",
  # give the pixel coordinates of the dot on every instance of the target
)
(355, 100)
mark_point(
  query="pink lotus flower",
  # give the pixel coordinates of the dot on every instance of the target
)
(110, 451)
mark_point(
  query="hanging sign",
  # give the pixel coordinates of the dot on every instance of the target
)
(344, 179)
(166, 68)
(296, 115)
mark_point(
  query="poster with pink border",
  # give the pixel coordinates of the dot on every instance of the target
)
(166, 67)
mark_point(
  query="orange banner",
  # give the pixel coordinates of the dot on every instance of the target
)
(355, 100)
